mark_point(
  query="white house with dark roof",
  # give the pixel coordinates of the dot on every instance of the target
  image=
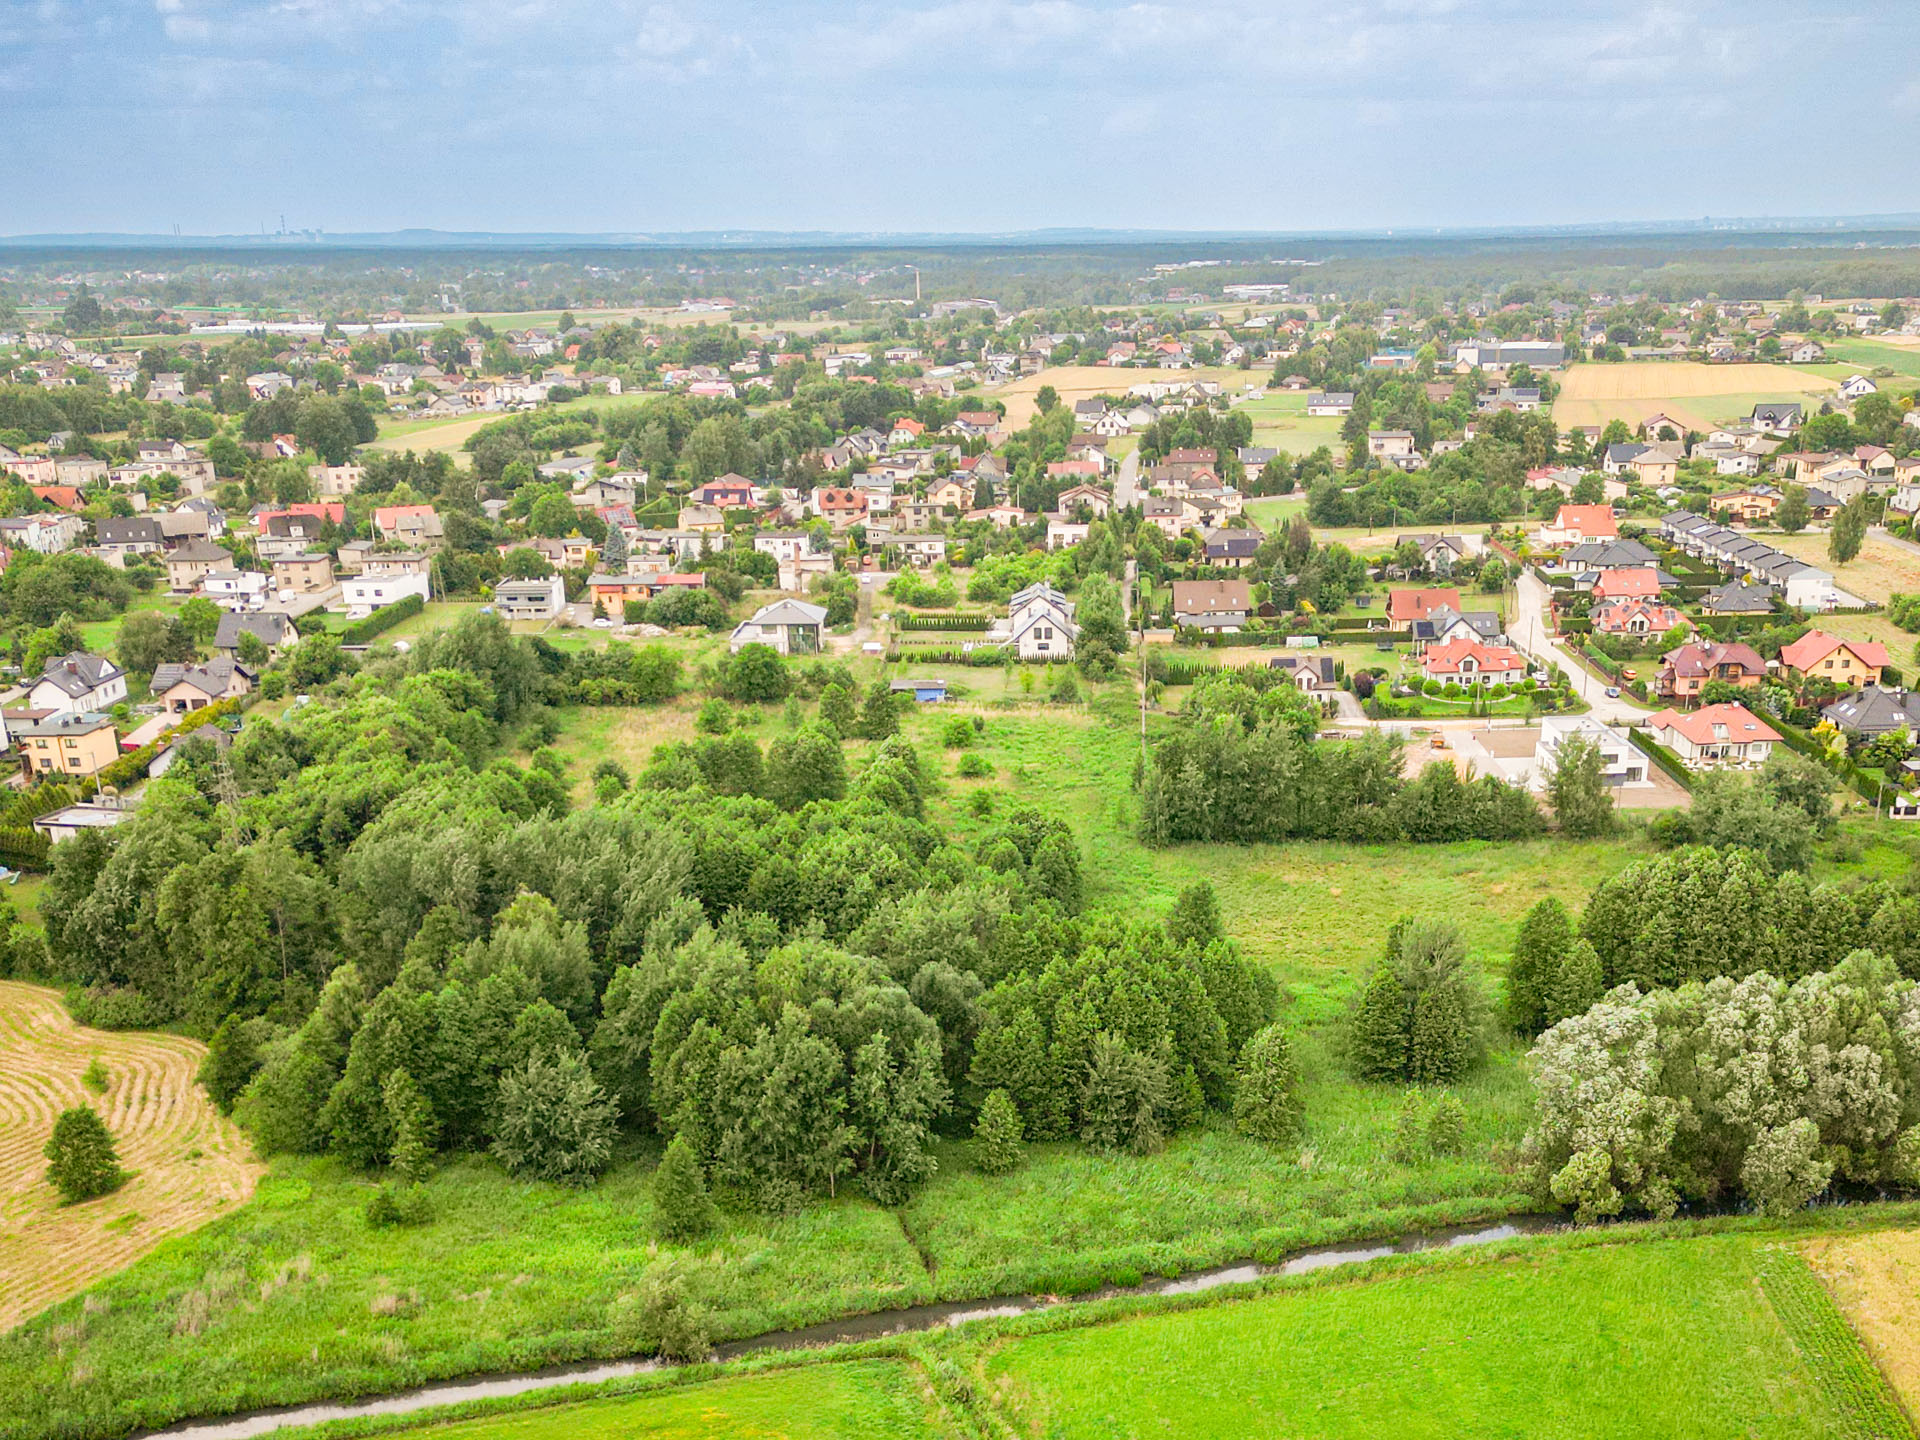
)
(77, 683)
(792, 627)
(1040, 624)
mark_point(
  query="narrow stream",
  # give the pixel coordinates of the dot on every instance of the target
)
(943, 1315)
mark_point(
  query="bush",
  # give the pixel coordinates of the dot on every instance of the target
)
(659, 1318)
(82, 1163)
(998, 1136)
(113, 1007)
(980, 804)
(1410, 1129)
(1266, 1100)
(95, 1077)
(273, 685)
(975, 767)
(1447, 1127)
(390, 1207)
(682, 1209)
(957, 733)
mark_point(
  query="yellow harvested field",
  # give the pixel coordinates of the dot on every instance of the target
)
(1081, 382)
(189, 1163)
(1875, 1280)
(1594, 394)
(449, 436)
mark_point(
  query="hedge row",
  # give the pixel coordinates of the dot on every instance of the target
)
(1867, 786)
(363, 630)
(986, 655)
(1662, 756)
(942, 622)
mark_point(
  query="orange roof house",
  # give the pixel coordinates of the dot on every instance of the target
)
(1406, 606)
(63, 497)
(1574, 524)
(1472, 663)
(1820, 656)
(1629, 582)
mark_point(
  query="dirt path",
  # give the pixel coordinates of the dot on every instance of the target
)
(189, 1163)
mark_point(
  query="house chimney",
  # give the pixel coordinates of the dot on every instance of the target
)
(73, 667)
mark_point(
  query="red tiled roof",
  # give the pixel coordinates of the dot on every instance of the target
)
(1814, 646)
(1627, 582)
(1738, 725)
(1451, 658)
(1410, 605)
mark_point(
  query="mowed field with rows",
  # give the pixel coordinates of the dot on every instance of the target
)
(1701, 394)
(188, 1162)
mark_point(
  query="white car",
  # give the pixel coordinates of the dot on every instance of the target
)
(603, 623)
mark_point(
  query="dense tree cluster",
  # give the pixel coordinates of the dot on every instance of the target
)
(1242, 767)
(1723, 1090)
(770, 958)
(1418, 1018)
(1697, 913)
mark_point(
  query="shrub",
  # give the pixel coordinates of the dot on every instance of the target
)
(273, 685)
(1410, 1129)
(998, 1136)
(659, 1318)
(682, 1209)
(95, 1076)
(715, 717)
(1266, 1100)
(1447, 1127)
(82, 1163)
(980, 804)
(957, 733)
(975, 767)
(389, 1207)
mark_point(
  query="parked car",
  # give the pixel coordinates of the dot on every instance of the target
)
(1613, 692)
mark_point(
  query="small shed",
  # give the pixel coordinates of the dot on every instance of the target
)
(925, 692)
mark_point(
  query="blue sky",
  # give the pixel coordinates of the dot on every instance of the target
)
(966, 115)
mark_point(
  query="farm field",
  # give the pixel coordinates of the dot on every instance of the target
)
(1875, 1280)
(1280, 420)
(189, 1164)
(1854, 357)
(1594, 394)
(1078, 382)
(1678, 1338)
(865, 1400)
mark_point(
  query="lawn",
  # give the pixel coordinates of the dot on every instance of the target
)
(1863, 356)
(1280, 420)
(1671, 1338)
(866, 1400)
(99, 635)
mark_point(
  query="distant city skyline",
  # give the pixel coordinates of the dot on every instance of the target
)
(955, 116)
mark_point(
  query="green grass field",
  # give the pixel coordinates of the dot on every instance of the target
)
(870, 1400)
(1863, 356)
(1675, 1338)
(1280, 420)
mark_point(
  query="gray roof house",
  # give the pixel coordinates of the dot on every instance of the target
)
(1873, 710)
(275, 629)
(792, 627)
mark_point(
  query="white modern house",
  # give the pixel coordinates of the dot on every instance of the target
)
(541, 599)
(1621, 763)
(77, 683)
(368, 592)
(1040, 624)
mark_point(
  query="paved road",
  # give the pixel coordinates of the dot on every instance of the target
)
(1529, 632)
(1127, 489)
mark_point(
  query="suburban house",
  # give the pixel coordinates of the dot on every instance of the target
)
(840, 505)
(45, 534)
(792, 627)
(729, 492)
(539, 599)
(1391, 447)
(1406, 606)
(1577, 524)
(101, 813)
(1470, 662)
(1632, 582)
(234, 587)
(66, 744)
(117, 537)
(1041, 624)
(1776, 418)
(1750, 506)
(415, 525)
(1311, 673)
(1875, 710)
(1738, 597)
(1686, 670)
(192, 562)
(373, 589)
(1621, 763)
(273, 630)
(288, 535)
(613, 592)
(1212, 604)
(1334, 402)
(330, 481)
(1232, 549)
(305, 574)
(1634, 616)
(180, 688)
(1065, 534)
(1096, 500)
(1714, 735)
(922, 552)
(783, 545)
(1820, 656)
(76, 683)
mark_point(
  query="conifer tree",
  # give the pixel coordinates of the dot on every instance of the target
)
(1266, 1101)
(998, 1146)
(1379, 1035)
(1437, 1051)
(682, 1209)
(1447, 1127)
(415, 1131)
(81, 1155)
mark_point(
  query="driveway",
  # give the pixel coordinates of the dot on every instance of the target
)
(1127, 490)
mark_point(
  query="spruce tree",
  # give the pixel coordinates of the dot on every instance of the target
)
(1379, 1032)
(1577, 984)
(415, 1130)
(1266, 1101)
(1196, 917)
(998, 1146)
(879, 712)
(682, 1209)
(1409, 1129)
(1539, 951)
(1437, 1053)
(82, 1160)
(232, 1059)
